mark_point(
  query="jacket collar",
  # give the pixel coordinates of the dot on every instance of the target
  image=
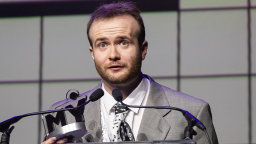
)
(153, 124)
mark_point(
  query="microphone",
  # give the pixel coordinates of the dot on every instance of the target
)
(192, 121)
(4, 126)
(117, 95)
(96, 95)
(77, 129)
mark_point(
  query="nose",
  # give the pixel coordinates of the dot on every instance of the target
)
(114, 54)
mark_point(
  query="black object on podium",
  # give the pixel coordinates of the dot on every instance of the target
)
(146, 142)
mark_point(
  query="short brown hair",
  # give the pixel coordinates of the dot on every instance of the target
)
(108, 11)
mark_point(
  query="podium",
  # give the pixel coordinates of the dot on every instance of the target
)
(146, 142)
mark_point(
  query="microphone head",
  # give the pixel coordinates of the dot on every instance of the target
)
(96, 95)
(73, 95)
(117, 95)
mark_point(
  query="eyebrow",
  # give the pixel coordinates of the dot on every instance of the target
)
(100, 39)
(123, 37)
(119, 37)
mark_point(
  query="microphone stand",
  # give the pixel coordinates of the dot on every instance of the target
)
(192, 121)
(189, 131)
(4, 126)
(5, 138)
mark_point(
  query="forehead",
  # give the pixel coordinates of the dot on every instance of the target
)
(125, 24)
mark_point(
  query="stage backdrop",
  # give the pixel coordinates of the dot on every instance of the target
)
(205, 49)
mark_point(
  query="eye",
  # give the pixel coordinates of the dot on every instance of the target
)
(124, 43)
(102, 45)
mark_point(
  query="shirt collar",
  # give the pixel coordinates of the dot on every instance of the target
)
(135, 98)
(107, 100)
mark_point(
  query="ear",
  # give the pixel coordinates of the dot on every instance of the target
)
(91, 51)
(144, 49)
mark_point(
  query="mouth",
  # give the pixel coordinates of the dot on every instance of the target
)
(116, 67)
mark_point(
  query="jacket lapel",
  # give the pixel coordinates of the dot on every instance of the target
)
(153, 125)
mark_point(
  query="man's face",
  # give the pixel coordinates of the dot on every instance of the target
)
(116, 52)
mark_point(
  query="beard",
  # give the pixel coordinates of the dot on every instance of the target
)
(129, 74)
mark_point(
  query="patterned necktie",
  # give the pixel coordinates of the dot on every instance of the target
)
(121, 130)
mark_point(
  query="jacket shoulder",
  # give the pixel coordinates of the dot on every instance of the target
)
(173, 97)
(178, 97)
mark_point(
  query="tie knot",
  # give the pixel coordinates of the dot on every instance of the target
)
(119, 108)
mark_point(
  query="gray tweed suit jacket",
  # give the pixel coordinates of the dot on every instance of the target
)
(156, 124)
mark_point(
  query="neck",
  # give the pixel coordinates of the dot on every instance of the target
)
(126, 89)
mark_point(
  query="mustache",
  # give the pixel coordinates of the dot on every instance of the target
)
(115, 64)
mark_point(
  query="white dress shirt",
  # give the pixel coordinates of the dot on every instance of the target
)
(138, 97)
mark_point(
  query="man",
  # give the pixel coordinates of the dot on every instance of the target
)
(117, 37)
